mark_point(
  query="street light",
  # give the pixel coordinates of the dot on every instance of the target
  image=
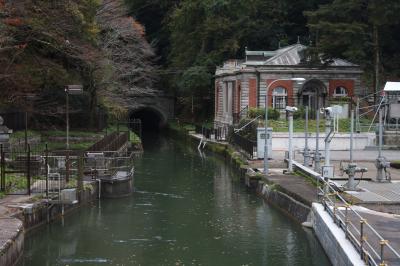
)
(298, 81)
(73, 90)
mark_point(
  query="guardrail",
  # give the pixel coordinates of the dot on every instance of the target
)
(112, 142)
(107, 164)
(211, 133)
(372, 247)
(248, 146)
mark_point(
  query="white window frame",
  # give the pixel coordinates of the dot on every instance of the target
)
(343, 92)
(279, 94)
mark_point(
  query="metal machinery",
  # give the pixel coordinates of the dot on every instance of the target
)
(381, 163)
(327, 169)
(352, 169)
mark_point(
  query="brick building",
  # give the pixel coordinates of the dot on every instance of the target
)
(242, 84)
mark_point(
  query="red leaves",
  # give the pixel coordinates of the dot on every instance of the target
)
(13, 21)
(21, 46)
(139, 28)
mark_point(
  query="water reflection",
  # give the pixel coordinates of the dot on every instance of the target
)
(187, 210)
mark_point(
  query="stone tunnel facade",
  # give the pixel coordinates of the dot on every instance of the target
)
(153, 111)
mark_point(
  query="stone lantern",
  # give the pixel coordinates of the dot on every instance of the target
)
(4, 135)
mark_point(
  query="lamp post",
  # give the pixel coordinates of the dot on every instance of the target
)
(299, 81)
(73, 90)
(290, 110)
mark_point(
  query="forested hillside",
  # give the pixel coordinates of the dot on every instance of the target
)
(194, 36)
(45, 45)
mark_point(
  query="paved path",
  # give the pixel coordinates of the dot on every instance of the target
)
(296, 186)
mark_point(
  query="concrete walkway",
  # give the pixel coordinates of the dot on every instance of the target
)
(295, 186)
(11, 239)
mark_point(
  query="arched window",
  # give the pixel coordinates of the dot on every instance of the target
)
(279, 98)
(340, 91)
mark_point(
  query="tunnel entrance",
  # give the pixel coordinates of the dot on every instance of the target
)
(151, 119)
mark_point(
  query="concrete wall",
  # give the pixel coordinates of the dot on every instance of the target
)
(341, 141)
(41, 213)
(33, 215)
(11, 241)
(294, 208)
(339, 250)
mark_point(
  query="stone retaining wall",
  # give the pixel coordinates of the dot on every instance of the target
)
(42, 213)
(12, 241)
(289, 205)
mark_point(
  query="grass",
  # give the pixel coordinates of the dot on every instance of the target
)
(299, 125)
(133, 137)
(73, 133)
(181, 126)
(80, 145)
(395, 164)
(21, 134)
(15, 182)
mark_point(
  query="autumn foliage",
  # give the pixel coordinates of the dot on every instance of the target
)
(13, 21)
(44, 47)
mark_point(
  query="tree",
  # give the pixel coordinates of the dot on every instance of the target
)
(361, 31)
(128, 65)
(198, 35)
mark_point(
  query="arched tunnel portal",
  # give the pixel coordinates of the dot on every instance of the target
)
(151, 118)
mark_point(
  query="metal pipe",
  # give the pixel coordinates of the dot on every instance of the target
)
(266, 170)
(380, 134)
(67, 118)
(306, 153)
(290, 167)
(317, 166)
(26, 130)
(351, 135)
(28, 170)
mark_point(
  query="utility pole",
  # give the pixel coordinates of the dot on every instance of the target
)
(306, 153)
(290, 110)
(317, 166)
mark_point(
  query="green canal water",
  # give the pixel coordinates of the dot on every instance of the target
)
(188, 210)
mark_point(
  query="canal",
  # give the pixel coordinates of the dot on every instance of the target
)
(188, 210)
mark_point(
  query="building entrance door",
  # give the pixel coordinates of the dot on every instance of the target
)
(313, 96)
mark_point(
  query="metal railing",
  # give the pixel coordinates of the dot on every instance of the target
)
(112, 142)
(108, 164)
(240, 114)
(211, 133)
(248, 146)
(372, 247)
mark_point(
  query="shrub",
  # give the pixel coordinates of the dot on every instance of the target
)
(300, 113)
(273, 114)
